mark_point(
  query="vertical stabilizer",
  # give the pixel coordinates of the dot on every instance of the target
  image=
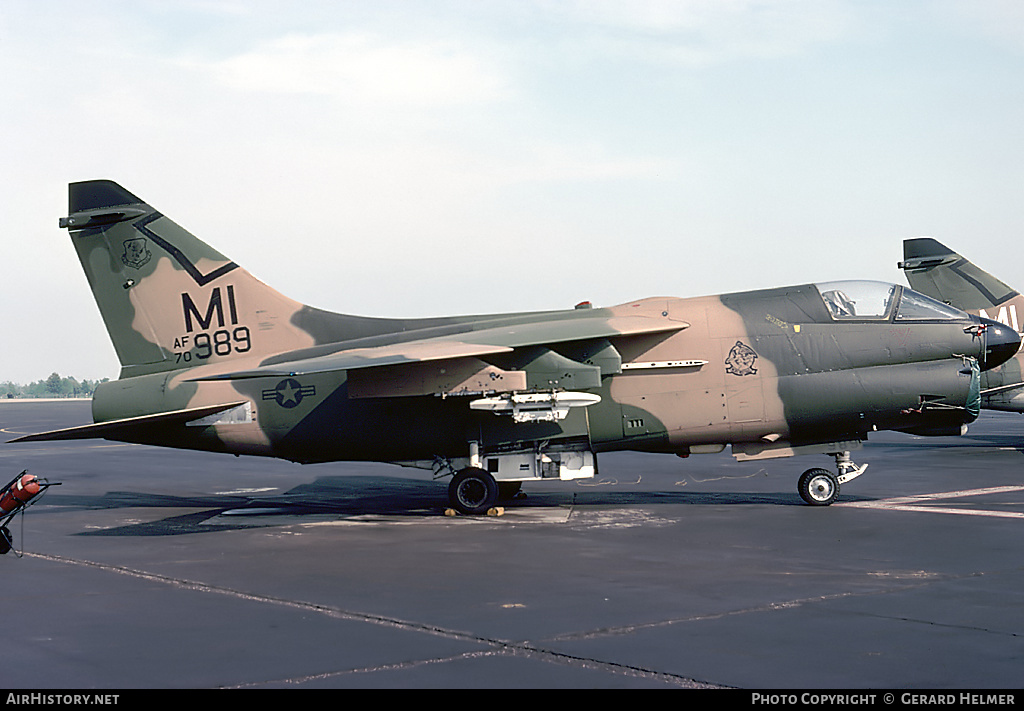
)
(935, 270)
(168, 300)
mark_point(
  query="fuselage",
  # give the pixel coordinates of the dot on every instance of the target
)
(756, 370)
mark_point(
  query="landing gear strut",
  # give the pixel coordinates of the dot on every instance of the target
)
(820, 487)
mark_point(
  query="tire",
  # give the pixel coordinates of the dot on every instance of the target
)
(472, 491)
(818, 487)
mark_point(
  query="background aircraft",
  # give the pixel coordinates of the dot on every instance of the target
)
(214, 359)
(934, 269)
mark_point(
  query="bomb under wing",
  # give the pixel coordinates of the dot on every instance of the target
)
(214, 359)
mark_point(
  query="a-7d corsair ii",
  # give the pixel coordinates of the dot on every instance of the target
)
(214, 359)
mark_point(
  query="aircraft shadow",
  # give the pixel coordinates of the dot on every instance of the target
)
(365, 496)
(966, 441)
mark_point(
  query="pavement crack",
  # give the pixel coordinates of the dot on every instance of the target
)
(497, 646)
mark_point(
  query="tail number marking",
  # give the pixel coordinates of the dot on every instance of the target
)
(229, 337)
(1002, 318)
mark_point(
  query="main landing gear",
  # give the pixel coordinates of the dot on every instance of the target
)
(473, 491)
(487, 480)
(820, 487)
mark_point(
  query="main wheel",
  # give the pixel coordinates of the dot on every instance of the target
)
(472, 491)
(818, 487)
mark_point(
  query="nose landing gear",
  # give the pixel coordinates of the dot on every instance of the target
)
(820, 487)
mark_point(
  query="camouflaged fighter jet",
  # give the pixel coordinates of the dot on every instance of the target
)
(934, 269)
(213, 359)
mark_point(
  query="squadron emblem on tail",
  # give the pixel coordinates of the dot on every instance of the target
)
(136, 254)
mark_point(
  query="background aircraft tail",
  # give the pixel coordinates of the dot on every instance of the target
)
(934, 269)
(168, 300)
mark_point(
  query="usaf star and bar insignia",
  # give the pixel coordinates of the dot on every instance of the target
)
(289, 393)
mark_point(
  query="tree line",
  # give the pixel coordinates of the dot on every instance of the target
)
(53, 386)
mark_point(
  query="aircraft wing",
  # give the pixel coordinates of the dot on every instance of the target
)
(452, 364)
(356, 358)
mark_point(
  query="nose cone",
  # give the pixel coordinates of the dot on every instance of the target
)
(1000, 342)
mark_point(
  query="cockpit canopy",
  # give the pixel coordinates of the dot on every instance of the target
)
(875, 301)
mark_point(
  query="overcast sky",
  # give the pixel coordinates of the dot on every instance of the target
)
(437, 157)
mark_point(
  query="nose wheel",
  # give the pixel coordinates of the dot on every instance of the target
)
(820, 487)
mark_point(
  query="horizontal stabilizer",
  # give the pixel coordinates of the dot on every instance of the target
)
(110, 429)
(1002, 389)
